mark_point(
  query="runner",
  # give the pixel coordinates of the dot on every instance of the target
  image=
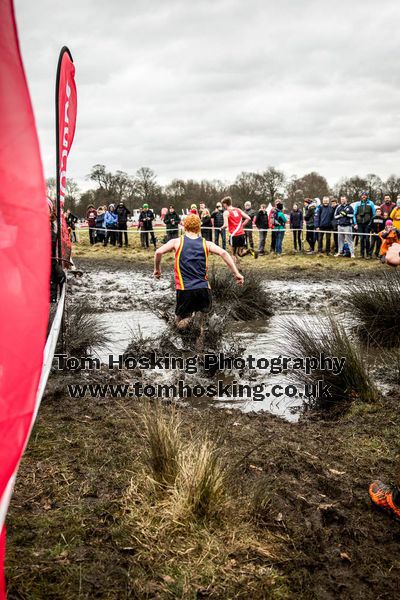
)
(193, 293)
(234, 220)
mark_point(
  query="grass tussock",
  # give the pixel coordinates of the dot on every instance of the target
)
(242, 303)
(199, 490)
(329, 338)
(191, 471)
(163, 443)
(83, 332)
(375, 303)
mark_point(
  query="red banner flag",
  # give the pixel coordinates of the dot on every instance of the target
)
(24, 262)
(66, 109)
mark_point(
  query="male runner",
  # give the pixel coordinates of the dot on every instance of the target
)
(193, 293)
(234, 220)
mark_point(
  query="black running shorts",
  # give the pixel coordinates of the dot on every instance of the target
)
(237, 241)
(190, 301)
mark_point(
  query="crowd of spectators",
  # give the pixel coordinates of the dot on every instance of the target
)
(332, 226)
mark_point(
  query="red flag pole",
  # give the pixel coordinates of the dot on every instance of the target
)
(64, 50)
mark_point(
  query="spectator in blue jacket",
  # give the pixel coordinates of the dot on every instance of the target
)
(110, 223)
(364, 212)
(296, 223)
(323, 224)
(100, 227)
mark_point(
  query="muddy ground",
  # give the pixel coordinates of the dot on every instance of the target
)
(297, 524)
(298, 491)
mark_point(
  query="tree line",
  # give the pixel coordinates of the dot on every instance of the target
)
(258, 187)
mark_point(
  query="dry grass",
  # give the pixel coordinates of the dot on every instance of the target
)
(200, 486)
(241, 303)
(331, 340)
(83, 331)
(191, 471)
(376, 305)
(163, 443)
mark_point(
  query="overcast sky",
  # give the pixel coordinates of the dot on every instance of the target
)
(209, 88)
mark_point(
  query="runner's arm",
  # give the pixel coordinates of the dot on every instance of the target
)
(214, 249)
(245, 216)
(225, 225)
(168, 247)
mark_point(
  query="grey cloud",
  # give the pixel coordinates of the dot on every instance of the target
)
(210, 88)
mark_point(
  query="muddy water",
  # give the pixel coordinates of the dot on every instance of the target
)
(122, 299)
(123, 325)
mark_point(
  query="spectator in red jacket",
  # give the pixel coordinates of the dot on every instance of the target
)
(91, 215)
(387, 206)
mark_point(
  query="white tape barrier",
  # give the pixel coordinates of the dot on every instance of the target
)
(255, 229)
(48, 355)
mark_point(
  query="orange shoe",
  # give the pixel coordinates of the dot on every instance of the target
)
(382, 495)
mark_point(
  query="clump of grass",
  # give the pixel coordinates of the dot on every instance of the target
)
(190, 470)
(181, 344)
(376, 305)
(162, 431)
(199, 489)
(83, 332)
(242, 303)
(331, 340)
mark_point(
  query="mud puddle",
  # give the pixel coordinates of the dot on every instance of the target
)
(122, 299)
(122, 326)
(118, 290)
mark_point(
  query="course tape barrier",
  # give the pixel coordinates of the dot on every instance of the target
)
(255, 229)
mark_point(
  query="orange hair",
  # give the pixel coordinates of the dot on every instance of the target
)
(192, 224)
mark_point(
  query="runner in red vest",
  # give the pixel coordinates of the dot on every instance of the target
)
(234, 220)
(193, 293)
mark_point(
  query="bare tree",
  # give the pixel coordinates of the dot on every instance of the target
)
(312, 185)
(271, 183)
(245, 187)
(392, 186)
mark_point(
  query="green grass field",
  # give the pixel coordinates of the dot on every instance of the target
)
(289, 260)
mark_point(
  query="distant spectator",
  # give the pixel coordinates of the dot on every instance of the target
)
(71, 221)
(395, 213)
(334, 225)
(110, 223)
(171, 221)
(218, 220)
(262, 223)
(344, 215)
(100, 226)
(206, 225)
(296, 223)
(323, 223)
(279, 227)
(146, 219)
(91, 214)
(309, 207)
(364, 212)
(193, 210)
(377, 225)
(387, 205)
(390, 235)
(122, 214)
(248, 230)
